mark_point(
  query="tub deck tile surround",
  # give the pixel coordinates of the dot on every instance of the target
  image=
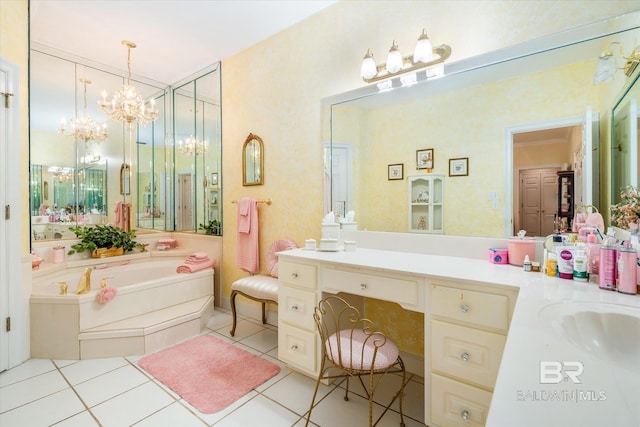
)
(144, 316)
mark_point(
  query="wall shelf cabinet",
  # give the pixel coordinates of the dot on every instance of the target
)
(426, 203)
(565, 196)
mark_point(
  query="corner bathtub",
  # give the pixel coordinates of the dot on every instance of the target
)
(151, 296)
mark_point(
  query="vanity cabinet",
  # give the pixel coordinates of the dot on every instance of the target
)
(469, 325)
(298, 342)
(426, 203)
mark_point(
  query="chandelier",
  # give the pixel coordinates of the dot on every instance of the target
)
(84, 127)
(127, 105)
(61, 174)
(193, 146)
(424, 56)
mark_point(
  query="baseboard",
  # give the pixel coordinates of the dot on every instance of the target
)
(413, 363)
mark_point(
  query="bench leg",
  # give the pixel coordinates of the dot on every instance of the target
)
(264, 314)
(233, 311)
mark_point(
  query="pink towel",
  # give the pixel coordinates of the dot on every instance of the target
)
(192, 268)
(244, 215)
(199, 255)
(247, 250)
(119, 211)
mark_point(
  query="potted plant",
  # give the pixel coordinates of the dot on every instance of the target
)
(104, 240)
(213, 227)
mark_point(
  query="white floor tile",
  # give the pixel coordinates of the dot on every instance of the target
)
(171, 416)
(132, 406)
(84, 370)
(262, 341)
(243, 330)
(110, 384)
(83, 419)
(45, 411)
(295, 391)
(34, 388)
(28, 369)
(220, 320)
(259, 412)
(211, 419)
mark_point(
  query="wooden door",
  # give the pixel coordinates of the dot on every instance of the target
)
(538, 197)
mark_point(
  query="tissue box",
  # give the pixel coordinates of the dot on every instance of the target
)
(331, 231)
(328, 244)
(498, 256)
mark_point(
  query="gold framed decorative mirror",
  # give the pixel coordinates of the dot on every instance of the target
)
(253, 161)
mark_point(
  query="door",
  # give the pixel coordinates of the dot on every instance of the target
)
(538, 197)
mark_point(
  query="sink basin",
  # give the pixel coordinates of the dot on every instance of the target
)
(610, 332)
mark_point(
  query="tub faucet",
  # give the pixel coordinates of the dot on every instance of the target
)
(84, 285)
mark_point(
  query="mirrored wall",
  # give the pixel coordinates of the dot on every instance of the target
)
(76, 182)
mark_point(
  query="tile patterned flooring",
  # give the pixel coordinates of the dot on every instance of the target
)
(116, 392)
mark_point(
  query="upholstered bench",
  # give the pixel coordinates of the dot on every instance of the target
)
(260, 287)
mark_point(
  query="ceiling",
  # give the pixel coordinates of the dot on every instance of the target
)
(193, 33)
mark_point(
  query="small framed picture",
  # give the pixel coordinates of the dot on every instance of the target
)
(396, 171)
(424, 159)
(214, 178)
(459, 167)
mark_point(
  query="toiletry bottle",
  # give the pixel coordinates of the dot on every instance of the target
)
(580, 266)
(527, 263)
(552, 264)
(593, 257)
(607, 268)
(627, 269)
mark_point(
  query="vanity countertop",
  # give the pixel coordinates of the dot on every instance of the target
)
(608, 391)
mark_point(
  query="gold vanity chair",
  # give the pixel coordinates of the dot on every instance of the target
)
(351, 348)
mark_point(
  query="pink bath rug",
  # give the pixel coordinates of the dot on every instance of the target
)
(207, 372)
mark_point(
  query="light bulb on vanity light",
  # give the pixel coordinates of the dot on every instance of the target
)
(394, 59)
(368, 69)
(423, 51)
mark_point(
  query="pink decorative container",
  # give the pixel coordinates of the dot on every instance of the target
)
(498, 256)
(519, 248)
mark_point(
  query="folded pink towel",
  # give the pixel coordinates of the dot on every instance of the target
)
(244, 214)
(196, 261)
(199, 255)
(192, 268)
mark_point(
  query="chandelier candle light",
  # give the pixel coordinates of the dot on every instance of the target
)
(84, 127)
(193, 146)
(424, 56)
(127, 105)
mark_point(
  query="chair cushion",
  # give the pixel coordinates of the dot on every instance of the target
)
(386, 356)
(258, 286)
(272, 258)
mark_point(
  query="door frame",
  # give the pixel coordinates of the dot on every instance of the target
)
(509, 177)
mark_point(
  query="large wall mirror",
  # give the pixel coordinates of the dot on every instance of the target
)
(530, 109)
(78, 183)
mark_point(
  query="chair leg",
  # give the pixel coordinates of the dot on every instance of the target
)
(315, 393)
(233, 311)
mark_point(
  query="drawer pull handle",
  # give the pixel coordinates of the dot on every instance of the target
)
(465, 356)
(363, 286)
(294, 275)
(294, 308)
(294, 347)
(464, 415)
(464, 308)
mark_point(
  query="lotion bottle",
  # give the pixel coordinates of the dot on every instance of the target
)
(580, 266)
(627, 269)
(593, 257)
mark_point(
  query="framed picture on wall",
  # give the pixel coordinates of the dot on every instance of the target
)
(396, 172)
(424, 159)
(459, 167)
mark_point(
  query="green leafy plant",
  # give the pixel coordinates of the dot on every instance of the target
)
(104, 236)
(213, 227)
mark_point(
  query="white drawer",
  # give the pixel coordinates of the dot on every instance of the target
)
(298, 348)
(296, 307)
(468, 354)
(302, 275)
(472, 307)
(402, 291)
(457, 404)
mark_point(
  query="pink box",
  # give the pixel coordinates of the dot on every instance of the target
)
(498, 256)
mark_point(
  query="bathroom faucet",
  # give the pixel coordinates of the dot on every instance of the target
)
(84, 285)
